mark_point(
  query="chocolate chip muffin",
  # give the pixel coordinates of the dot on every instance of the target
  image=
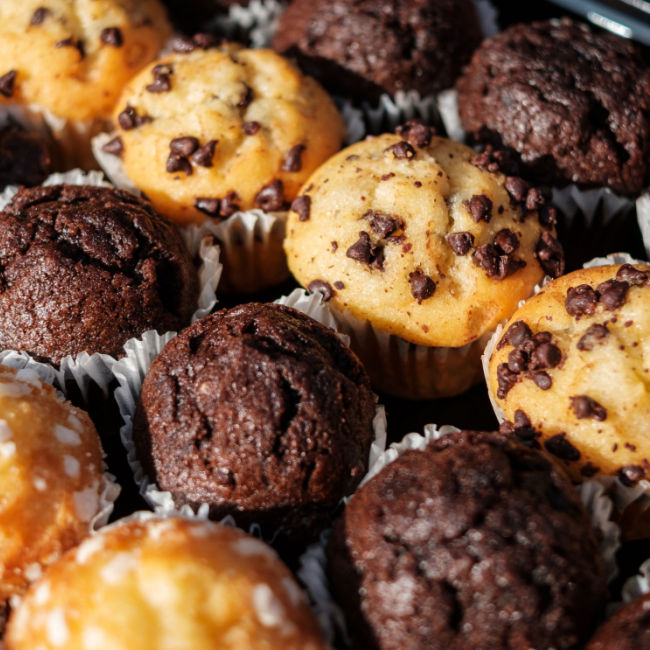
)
(475, 542)
(260, 412)
(627, 629)
(87, 268)
(573, 102)
(571, 371)
(24, 156)
(362, 48)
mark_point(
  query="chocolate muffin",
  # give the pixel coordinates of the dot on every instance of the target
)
(87, 268)
(261, 412)
(476, 542)
(24, 156)
(628, 629)
(362, 48)
(553, 91)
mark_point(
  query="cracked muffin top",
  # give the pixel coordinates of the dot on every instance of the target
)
(554, 92)
(259, 411)
(86, 268)
(474, 542)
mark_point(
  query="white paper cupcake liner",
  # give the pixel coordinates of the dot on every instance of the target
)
(312, 569)
(130, 372)
(637, 585)
(643, 219)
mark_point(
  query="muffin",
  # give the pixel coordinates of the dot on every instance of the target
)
(51, 478)
(260, 412)
(574, 103)
(92, 49)
(418, 237)
(163, 584)
(87, 268)
(474, 542)
(627, 629)
(363, 48)
(569, 371)
(24, 156)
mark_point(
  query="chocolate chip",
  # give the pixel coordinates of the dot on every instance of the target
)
(184, 146)
(546, 355)
(402, 150)
(515, 335)
(547, 216)
(517, 360)
(39, 16)
(521, 420)
(302, 206)
(488, 258)
(422, 286)
(384, 224)
(229, 204)
(71, 42)
(182, 44)
(245, 97)
(588, 470)
(112, 36)
(251, 128)
(177, 163)
(416, 133)
(7, 83)
(161, 81)
(204, 41)
(593, 334)
(535, 199)
(203, 155)
(339, 285)
(322, 287)
(630, 475)
(517, 188)
(585, 407)
(293, 160)
(208, 206)
(542, 380)
(271, 196)
(460, 242)
(365, 251)
(507, 241)
(128, 119)
(635, 277)
(550, 254)
(612, 294)
(580, 301)
(480, 207)
(115, 146)
(496, 160)
(559, 446)
(506, 379)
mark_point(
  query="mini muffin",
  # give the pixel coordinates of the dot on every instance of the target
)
(571, 369)
(51, 478)
(627, 629)
(473, 542)
(163, 585)
(24, 156)
(425, 240)
(573, 102)
(87, 268)
(362, 48)
(261, 412)
(207, 132)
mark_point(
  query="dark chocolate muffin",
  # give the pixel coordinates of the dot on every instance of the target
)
(24, 157)
(628, 629)
(87, 268)
(474, 543)
(261, 412)
(361, 48)
(573, 102)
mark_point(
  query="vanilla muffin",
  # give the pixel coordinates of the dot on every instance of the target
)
(162, 585)
(51, 478)
(572, 368)
(207, 132)
(425, 240)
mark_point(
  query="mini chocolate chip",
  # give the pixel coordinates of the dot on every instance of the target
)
(550, 254)
(422, 286)
(517, 360)
(542, 380)
(112, 36)
(339, 285)
(322, 287)
(416, 133)
(496, 160)
(129, 119)
(635, 277)
(245, 97)
(612, 294)
(115, 146)
(203, 155)
(546, 355)
(7, 83)
(480, 207)
(508, 266)
(251, 128)
(506, 428)
(71, 42)
(384, 224)
(182, 44)
(580, 301)
(229, 204)
(363, 250)
(402, 150)
(542, 337)
(521, 420)
(535, 199)
(488, 258)
(293, 160)
(335, 246)
(588, 470)
(517, 188)
(39, 16)
(385, 177)
(547, 216)
(515, 335)
(178, 163)
(208, 206)
(585, 407)
(630, 475)
(506, 379)
(460, 242)
(184, 146)
(161, 81)
(205, 41)
(302, 206)
(271, 196)
(559, 446)
(593, 334)
(507, 241)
